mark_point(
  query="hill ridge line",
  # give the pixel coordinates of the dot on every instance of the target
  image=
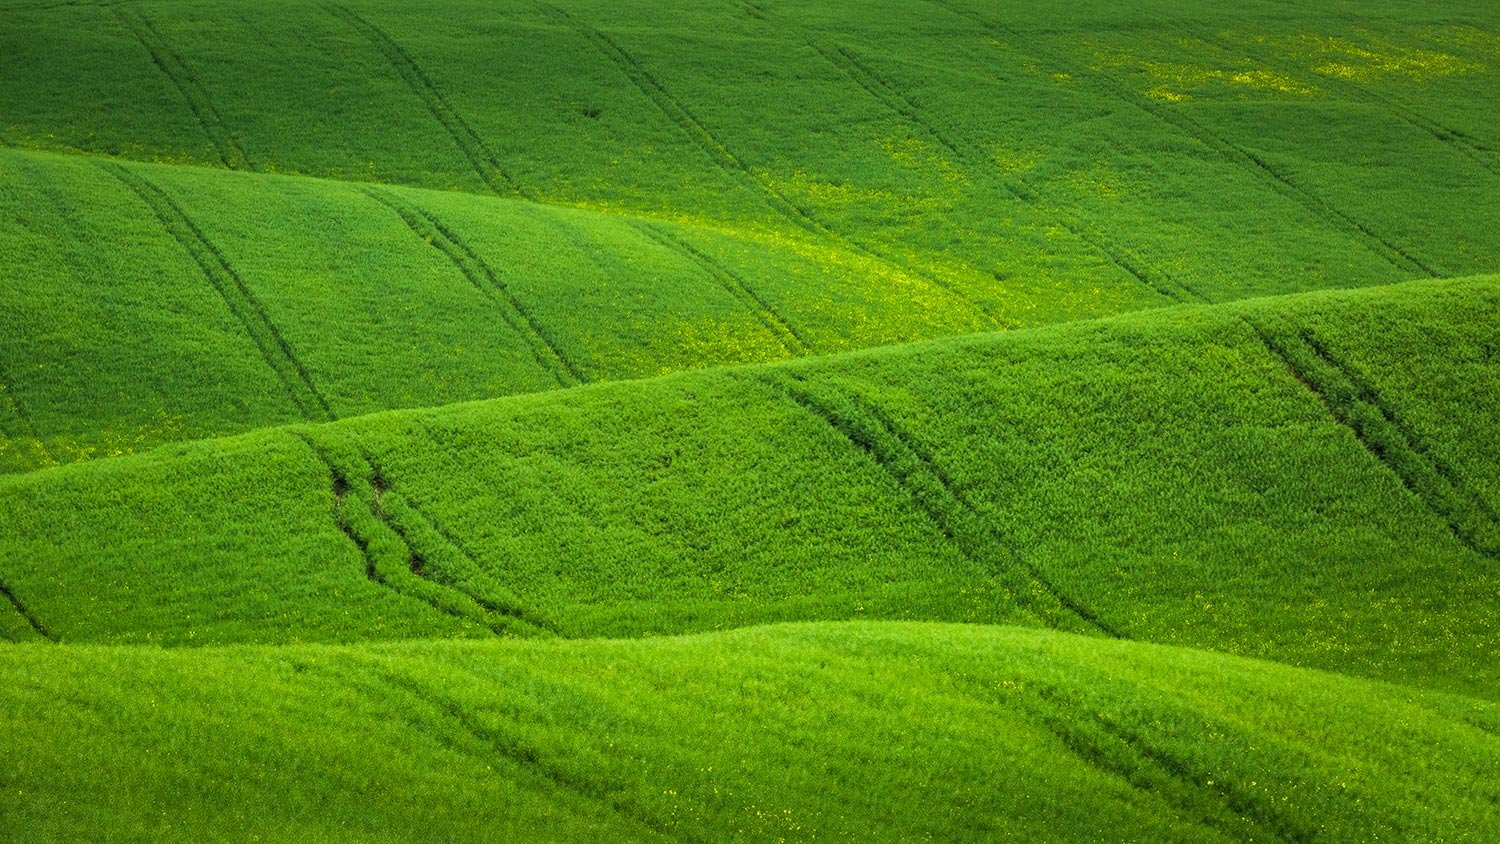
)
(420, 644)
(1146, 313)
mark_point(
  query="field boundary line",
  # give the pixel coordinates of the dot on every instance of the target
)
(1119, 752)
(241, 301)
(1230, 151)
(899, 103)
(481, 158)
(914, 470)
(432, 230)
(172, 66)
(1354, 404)
(1445, 134)
(731, 164)
(732, 283)
(25, 612)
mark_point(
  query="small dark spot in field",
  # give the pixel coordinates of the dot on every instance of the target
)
(590, 112)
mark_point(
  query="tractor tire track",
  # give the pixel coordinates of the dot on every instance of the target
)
(775, 323)
(373, 570)
(408, 576)
(899, 103)
(716, 150)
(1117, 751)
(22, 610)
(1233, 153)
(1455, 139)
(1354, 404)
(171, 65)
(412, 519)
(240, 300)
(530, 759)
(914, 470)
(437, 234)
(678, 113)
(481, 158)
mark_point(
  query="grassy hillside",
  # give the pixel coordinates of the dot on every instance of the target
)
(749, 420)
(254, 300)
(1308, 479)
(761, 180)
(859, 732)
(929, 133)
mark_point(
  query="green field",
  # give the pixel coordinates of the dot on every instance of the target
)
(749, 421)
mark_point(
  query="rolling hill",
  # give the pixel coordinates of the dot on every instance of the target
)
(765, 420)
(848, 731)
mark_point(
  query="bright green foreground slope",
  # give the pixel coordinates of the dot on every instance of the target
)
(1308, 478)
(628, 189)
(849, 732)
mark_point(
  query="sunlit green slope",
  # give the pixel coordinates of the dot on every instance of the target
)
(1308, 478)
(855, 731)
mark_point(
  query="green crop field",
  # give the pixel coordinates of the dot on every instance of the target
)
(749, 420)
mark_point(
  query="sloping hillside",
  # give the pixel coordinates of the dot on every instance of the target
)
(749, 420)
(859, 732)
(785, 181)
(1309, 479)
